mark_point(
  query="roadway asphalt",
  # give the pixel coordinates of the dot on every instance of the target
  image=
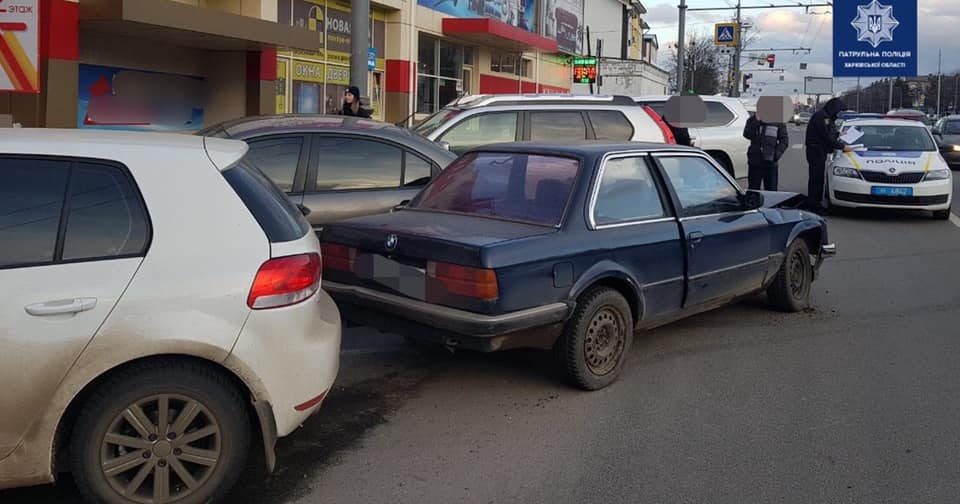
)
(855, 400)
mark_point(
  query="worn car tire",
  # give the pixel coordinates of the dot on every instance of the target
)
(790, 290)
(596, 339)
(211, 448)
(941, 214)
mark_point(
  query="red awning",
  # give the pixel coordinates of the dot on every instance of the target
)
(490, 32)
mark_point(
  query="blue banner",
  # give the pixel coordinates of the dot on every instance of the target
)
(519, 13)
(875, 38)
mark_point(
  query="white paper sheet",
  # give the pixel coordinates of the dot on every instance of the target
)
(851, 135)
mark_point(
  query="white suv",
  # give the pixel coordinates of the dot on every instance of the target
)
(722, 134)
(478, 120)
(160, 312)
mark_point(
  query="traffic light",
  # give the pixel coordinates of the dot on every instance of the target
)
(746, 81)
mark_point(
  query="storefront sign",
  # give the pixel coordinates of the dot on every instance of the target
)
(19, 46)
(371, 59)
(507, 11)
(306, 71)
(563, 22)
(124, 99)
(585, 70)
(338, 75)
(281, 86)
(874, 38)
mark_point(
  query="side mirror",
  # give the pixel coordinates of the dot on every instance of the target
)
(304, 210)
(444, 144)
(752, 200)
(401, 206)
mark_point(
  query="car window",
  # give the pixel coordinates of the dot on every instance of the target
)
(481, 130)
(416, 170)
(951, 128)
(352, 163)
(717, 114)
(700, 187)
(31, 200)
(610, 125)
(512, 186)
(439, 118)
(105, 217)
(627, 193)
(560, 126)
(279, 218)
(277, 158)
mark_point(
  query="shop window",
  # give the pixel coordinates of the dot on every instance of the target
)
(511, 64)
(439, 73)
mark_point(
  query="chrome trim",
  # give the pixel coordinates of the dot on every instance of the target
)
(696, 217)
(634, 223)
(595, 192)
(730, 268)
(662, 282)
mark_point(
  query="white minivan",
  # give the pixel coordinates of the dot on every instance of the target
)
(160, 314)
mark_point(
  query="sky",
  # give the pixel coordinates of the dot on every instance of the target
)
(775, 28)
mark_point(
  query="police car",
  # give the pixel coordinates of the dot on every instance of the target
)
(895, 164)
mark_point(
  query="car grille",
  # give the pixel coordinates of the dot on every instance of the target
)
(891, 200)
(883, 178)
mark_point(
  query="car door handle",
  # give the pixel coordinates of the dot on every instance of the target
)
(61, 307)
(694, 237)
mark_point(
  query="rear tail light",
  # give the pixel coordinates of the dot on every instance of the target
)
(338, 257)
(285, 281)
(465, 281)
(664, 128)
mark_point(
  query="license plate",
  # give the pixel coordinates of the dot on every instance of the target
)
(891, 191)
(407, 280)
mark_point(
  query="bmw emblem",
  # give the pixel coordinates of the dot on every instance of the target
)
(391, 242)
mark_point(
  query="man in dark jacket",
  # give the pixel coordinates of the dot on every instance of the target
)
(768, 142)
(681, 135)
(822, 139)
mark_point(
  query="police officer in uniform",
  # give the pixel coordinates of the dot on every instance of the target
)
(822, 139)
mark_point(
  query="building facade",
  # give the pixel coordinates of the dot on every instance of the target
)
(180, 65)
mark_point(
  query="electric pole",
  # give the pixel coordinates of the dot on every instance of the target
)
(681, 40)
(736, 55)
(359, 44)
(939, 79)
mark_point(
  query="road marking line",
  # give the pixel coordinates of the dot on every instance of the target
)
(955, 219)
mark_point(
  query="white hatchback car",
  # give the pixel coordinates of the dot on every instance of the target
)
(160, 311)
(899, 166)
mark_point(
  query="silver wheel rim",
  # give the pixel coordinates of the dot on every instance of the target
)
(161, 448)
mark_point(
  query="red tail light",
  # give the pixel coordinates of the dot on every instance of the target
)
(338, 257)
(465, 281)
(285, 281)
(664, 128)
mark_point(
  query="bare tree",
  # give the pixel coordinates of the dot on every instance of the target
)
(702, 66)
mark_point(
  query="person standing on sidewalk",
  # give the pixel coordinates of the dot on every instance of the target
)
(768, 142)
(822, 139)
(351, 103)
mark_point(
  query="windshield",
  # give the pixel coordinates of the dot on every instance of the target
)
(890, 138)
(430, 124)
(509, 186)
(951, 128)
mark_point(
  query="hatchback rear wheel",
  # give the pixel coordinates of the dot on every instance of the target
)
(161, 432)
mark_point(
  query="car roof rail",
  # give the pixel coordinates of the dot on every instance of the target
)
(473, 101)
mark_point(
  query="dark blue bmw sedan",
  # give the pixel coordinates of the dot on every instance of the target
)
(571, 248)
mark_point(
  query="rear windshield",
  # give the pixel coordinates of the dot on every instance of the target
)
(430, 124)
(893, 138)
(511, 186)
(280, 219)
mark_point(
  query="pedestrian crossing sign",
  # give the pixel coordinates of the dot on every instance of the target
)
(726, 34)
